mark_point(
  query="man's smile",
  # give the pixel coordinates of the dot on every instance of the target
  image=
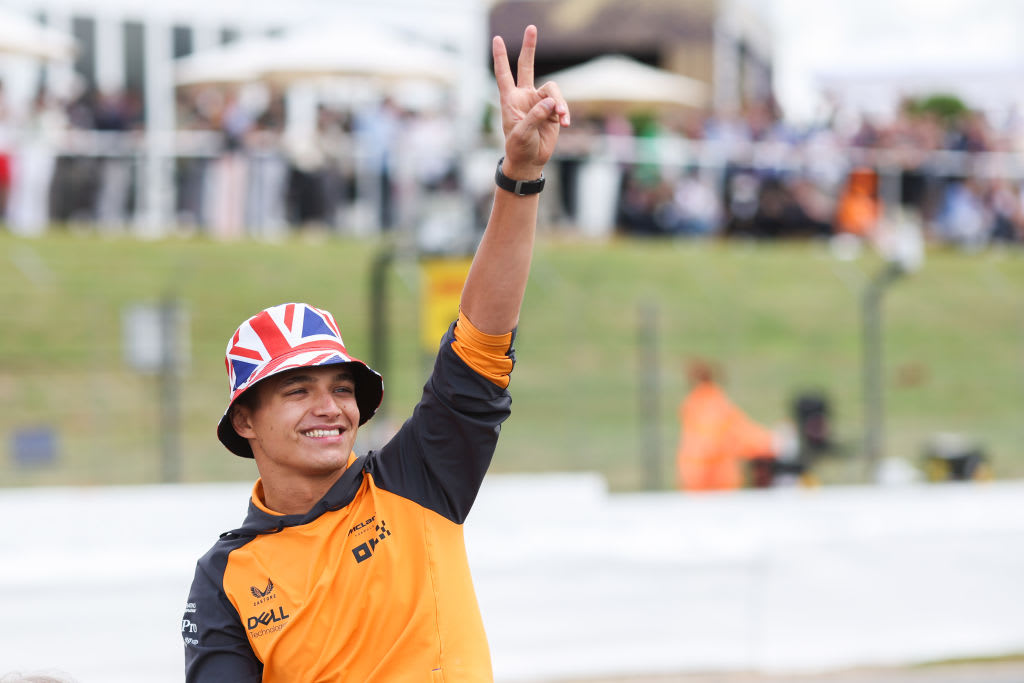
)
(323, 433)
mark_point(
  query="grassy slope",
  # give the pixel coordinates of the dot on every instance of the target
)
(778, 318)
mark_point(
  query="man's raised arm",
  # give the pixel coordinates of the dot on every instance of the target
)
(530, 119)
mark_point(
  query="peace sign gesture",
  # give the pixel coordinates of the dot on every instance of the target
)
(530, 117)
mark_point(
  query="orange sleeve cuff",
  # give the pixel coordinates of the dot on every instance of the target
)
(486, 354)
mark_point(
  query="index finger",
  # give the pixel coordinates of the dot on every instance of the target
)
(526, 55)
(502, 70)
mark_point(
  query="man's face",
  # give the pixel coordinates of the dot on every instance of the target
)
(303, 421)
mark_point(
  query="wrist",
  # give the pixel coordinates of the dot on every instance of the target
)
(521, 186)
(521, 171)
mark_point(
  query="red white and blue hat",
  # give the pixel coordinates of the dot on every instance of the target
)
(282, 338)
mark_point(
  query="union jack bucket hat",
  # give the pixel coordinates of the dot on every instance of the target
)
(286, 337)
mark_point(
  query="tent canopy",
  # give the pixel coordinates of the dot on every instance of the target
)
(22, 35)
(363, 51)
(346, 50)
(617, 81)
(231, 64)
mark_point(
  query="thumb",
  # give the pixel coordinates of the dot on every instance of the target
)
(540, 112)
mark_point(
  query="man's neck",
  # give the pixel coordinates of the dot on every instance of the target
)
(294, 495)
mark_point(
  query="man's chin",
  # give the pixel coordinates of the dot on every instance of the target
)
(326, 460)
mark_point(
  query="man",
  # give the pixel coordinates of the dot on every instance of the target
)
(716, 436)
(354, 569)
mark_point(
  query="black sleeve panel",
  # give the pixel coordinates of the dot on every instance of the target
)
(440, 455)
(216, 647)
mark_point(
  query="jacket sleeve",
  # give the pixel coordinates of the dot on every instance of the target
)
(440, 455)
(216, 648)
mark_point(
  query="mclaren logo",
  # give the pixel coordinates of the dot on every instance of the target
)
(257, 593)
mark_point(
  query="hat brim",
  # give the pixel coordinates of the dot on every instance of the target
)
(369, 392)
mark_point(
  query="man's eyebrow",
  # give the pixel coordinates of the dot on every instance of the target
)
(296, 379)
(302, 378)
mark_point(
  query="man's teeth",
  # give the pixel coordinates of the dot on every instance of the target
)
(320, 433)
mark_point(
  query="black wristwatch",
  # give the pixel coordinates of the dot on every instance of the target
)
(519, 187)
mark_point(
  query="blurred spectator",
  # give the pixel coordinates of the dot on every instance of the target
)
(696, 209)
(307, 166)
(267, 174)
(377, 133)
(859, 210)
(716, 438)
(6, 148)
(229, 171)
(780, 215)
(964, 219)
(28, 206)
(429, 140)
(1008, 212)
(113, 114)
(428, 162)
(742, 197)
(637, 203)
(575, 145)
(759, 177)
(816, 207)
(619, 134)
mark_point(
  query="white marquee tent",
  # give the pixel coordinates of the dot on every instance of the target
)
(620, 81)
(346, 50)
(23, 36)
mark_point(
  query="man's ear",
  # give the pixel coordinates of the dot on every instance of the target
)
(241, 420)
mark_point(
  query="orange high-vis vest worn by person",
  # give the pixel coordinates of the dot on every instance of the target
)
(858, 209)
(716, 440)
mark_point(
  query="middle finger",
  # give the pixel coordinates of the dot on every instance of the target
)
(526, 55)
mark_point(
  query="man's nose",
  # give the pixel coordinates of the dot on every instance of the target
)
(324, 403)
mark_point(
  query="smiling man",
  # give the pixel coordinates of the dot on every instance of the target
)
(354, 568)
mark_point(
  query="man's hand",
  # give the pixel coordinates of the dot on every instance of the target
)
(530, 117)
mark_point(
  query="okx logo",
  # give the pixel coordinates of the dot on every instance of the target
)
(364, 551)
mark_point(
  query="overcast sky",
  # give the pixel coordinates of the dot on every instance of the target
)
(886, 36)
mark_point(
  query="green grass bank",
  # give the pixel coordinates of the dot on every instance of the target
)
(778, 318)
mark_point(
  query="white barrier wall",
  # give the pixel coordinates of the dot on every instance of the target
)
(572, 581)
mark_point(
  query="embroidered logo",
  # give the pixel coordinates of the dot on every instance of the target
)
(272, 618)
(257, 593)
(188, 626)
(265, 619)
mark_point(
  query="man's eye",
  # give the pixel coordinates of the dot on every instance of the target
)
(345, 390)
(295, 392)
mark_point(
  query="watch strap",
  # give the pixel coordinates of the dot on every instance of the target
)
(518, 187)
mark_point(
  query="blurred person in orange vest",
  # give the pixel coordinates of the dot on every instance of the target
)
(717, 437)
(859, 209)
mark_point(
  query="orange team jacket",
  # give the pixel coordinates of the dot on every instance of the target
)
(373, 583)
(716, 437)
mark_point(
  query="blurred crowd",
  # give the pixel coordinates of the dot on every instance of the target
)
(958, 177)
(239, 170)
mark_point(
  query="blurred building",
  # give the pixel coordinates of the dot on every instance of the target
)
(726, 44)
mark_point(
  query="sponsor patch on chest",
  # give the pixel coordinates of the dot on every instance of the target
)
(366, 536)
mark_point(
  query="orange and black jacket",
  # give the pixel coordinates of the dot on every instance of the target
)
(373, 583)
